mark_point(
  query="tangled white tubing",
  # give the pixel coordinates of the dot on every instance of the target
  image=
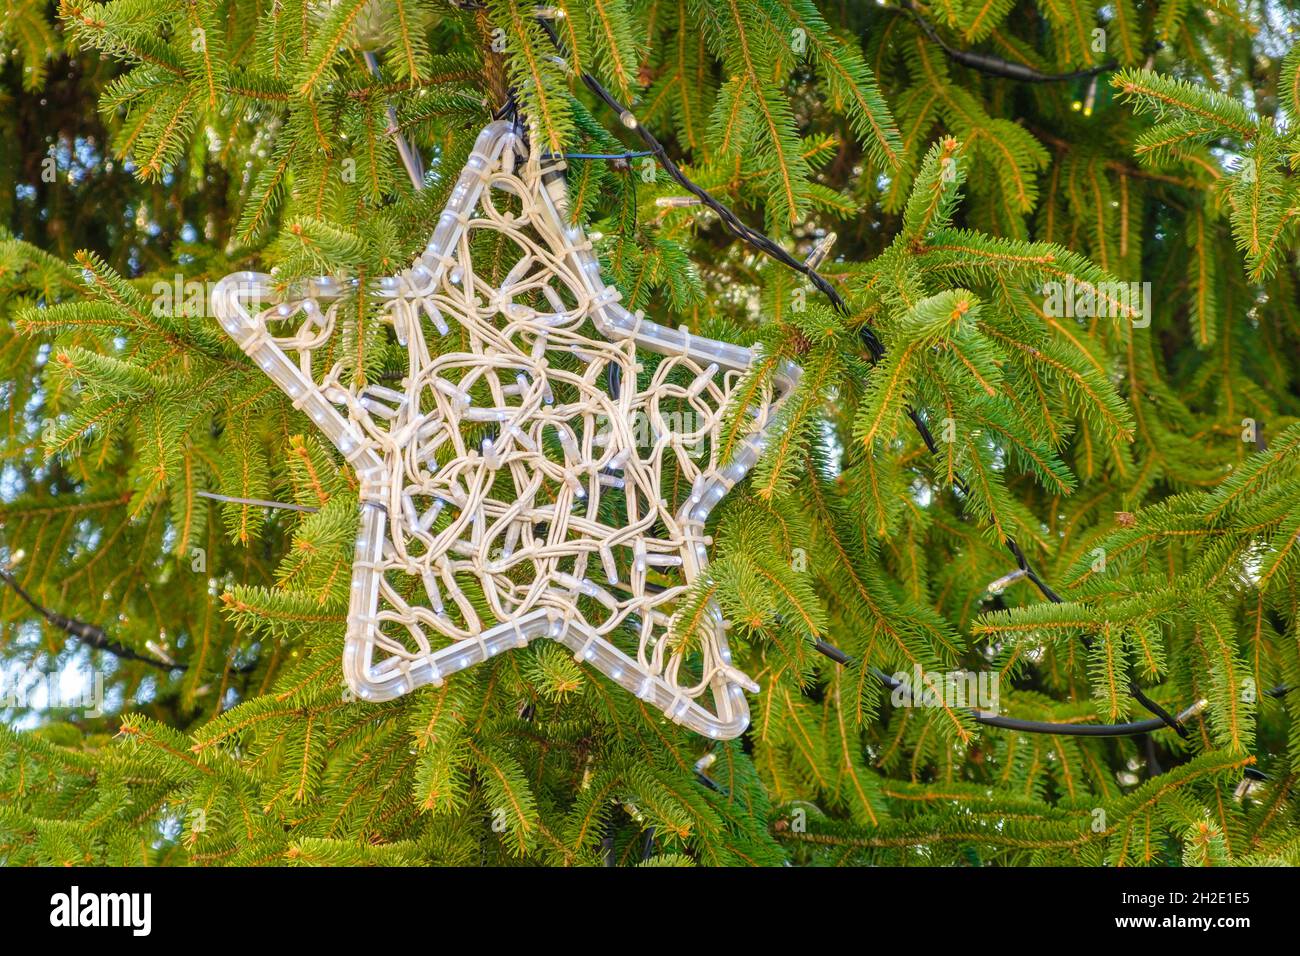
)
(556, 523)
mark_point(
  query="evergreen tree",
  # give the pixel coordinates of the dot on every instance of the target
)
(1048, 429)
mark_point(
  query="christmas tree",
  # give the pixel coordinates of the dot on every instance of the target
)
(1016, 572)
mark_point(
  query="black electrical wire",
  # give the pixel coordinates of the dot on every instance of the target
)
(728, 218)
(95, 636)
(1011, 723)
(996, 65)
(90, 634)
(1131, 729)
(1045, 727)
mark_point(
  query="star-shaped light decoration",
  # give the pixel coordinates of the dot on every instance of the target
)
(531, 476)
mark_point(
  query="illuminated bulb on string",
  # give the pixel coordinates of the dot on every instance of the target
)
(1091, 99)
(678, 202)
(820, 251)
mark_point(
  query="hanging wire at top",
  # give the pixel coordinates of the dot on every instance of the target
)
(996, 65)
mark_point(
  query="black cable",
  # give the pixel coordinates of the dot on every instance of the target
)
(828, 649)
(996, 65)
(709, 782)
(510, 108)
(1132, 729)
(1011, 723)
(648, 847)
(90, 634)
(1022, 562)
(1168, 719)
(1162, 719)
(1079, 730)
(93, 634)
(728, 218)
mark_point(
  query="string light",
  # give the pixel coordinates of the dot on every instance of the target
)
(876, 351)
(676, 202)
(820, 251)
(394, 642)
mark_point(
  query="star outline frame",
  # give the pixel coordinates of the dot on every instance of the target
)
(373, 680)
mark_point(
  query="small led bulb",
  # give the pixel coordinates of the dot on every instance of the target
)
(677, 202)
(820, 251)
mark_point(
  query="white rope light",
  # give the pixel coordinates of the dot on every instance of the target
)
(513, 486)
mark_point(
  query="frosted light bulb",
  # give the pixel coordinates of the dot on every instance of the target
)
(820, 251)
(677, 202)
